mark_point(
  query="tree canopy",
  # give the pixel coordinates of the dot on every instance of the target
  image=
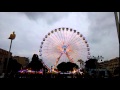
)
(91, 64)
(35, 64)
(66, 66)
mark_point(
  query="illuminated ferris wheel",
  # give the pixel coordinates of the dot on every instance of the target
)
(63, 45)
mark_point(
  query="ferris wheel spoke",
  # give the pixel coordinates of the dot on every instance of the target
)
(79, 49)
(79, 54)
(51, 48)
(74, 53)
(48, 49)
(58, 34)
(55, 33)
(77, 57)
(73, 57)
(55, 37)
(80, 37)
(66, 36)
(55, 51)
(58, 38)
(77, 44)
(82, 51)
(71, 37)
(50, 54)
(51, 42)
(76, 40)
(61, 35)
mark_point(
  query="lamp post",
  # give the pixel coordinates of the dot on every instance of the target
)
(117, 24)
(11, 37)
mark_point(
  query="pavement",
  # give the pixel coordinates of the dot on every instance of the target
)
(2, 76)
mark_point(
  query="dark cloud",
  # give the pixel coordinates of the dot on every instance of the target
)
(102, 35)
(101, 26)
(49, 17)
(34, 15)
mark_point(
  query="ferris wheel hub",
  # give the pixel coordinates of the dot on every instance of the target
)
(64, 47)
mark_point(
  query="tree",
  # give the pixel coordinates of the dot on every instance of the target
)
(91, 64)
(35, 64)
(64, 67)
(81, 62)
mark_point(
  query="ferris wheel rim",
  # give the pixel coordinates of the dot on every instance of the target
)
(63, 29)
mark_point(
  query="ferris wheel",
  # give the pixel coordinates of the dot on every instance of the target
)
(63, 45)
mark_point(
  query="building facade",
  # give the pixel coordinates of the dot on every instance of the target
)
(24, 61)
(110, 65)
(3, 57)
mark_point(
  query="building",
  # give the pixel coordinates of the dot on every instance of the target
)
(110, 65)
(24, 61)
(99, 73)
(3, 56)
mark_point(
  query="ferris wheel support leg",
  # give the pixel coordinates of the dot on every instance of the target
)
(58, 60)
(70, 59)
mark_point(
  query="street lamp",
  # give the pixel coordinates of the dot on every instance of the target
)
(117, 24)
(11, 37)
